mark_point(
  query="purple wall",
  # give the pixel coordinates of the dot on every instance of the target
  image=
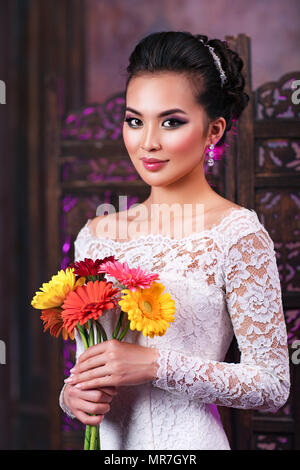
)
(115, 26)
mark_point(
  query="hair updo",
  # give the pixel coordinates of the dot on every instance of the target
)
(183, 52)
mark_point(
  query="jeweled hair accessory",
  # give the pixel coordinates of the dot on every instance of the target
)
(217, 62)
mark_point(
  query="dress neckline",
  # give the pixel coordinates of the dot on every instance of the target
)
(160, 237)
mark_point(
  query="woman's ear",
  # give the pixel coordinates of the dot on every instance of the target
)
(216, 131)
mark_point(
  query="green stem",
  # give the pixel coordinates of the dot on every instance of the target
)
(94, 440)
(123, 333)
(98, 333)
(91, 333)
(87, 437)
(98, 446)
(104, 336)
(83, 336)
(116, 331)
(93, 437)
(85, 340)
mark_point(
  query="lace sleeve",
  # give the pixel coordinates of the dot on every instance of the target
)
(261, 380)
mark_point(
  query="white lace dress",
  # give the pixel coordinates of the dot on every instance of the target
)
(225, 282)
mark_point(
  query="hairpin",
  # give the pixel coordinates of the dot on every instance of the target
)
(217, 62)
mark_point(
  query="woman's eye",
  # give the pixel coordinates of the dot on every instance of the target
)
(173, 120)
(173, 123)
(129, 121)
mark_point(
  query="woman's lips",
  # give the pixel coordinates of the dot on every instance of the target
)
(154, 165)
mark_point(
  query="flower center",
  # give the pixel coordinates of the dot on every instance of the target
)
(150, 310)
(90, 308)
(147, 306)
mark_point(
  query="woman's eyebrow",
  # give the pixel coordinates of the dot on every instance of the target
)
(164, 113)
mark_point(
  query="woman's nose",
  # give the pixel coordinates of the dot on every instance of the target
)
(150, 140)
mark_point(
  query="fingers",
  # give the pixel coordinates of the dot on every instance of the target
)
(87, 375)
(98, 383)
(89, 363)
(92, 408)
(94, 396)
(87, 419)
(84, 403)
(113, 391)
(97, 350)
(98, 377)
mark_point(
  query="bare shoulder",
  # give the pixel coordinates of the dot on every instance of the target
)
(221, 208)
(227, 206)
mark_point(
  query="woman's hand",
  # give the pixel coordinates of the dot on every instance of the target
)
(114, 363)
(82, 403)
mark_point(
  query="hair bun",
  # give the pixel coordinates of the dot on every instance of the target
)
(232, 64)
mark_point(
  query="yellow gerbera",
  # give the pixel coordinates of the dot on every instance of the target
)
(54, 292)
(148, 310)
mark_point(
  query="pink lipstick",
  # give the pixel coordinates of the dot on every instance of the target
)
(153, 164)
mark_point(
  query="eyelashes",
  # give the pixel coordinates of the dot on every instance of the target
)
(173, 120)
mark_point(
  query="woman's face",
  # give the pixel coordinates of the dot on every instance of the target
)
(177, 136)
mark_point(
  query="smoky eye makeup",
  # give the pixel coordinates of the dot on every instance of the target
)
(178, 122)
(128, 119)
(174, 122)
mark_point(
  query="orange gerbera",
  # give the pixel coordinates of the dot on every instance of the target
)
(52, 319)
(88, 302)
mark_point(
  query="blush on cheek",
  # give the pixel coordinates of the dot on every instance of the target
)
(183, 143)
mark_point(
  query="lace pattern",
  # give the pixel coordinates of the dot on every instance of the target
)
(225, 282)
(253, 294)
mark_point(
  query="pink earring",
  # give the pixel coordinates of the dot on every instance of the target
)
(211, 161)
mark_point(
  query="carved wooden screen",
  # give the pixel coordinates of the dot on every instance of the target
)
(89, 165)
(277, 203)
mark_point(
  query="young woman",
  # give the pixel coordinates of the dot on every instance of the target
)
(182, 94)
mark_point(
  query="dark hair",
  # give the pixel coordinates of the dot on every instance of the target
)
(182, 52)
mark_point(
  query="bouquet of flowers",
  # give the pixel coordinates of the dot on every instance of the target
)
(77, 298)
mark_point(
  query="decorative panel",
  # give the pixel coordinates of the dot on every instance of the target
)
(277, 156)
(275, 207)
(277, 203)
(274, 99)
(96, 121)
(272, 441)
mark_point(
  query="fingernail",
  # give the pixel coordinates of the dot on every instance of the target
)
(68, 380)
(72, 370)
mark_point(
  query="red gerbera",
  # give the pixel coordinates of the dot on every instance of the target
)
(52, 319)
(88, 302)
(89, 267)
